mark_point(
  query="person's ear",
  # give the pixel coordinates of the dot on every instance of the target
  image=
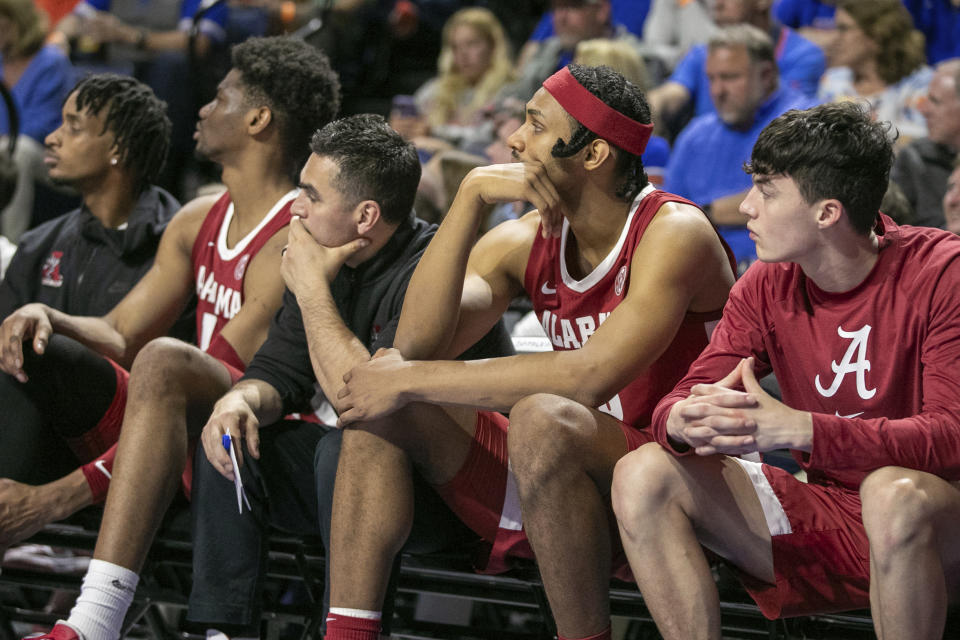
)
(829, 213)
(258, 119)
(367, 214)
(596, 153)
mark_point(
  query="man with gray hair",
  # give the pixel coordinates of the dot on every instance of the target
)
(921, 168)
(800, 62)
(707, 160)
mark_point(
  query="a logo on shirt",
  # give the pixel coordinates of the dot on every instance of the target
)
(50, 275)
(241, 267)
(547, 290)
(621, 280)
(854, 361)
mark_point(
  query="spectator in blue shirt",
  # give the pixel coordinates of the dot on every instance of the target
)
(805, 14)
(813, 19)
(629, 13)
(707, 161)
(801, 63)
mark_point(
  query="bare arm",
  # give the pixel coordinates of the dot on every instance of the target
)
(678, 257)
(147, 312)
(308, 269)
(262, 296)
(106, 27)
(667, 99)
(459, 290)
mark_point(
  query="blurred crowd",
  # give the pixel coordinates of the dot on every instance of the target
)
(453, 76)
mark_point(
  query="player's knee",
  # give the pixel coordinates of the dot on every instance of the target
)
(162, 362)
(898, 512)
(547, 432)
(642, 484)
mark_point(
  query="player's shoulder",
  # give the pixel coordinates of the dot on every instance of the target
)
(185, 224)
(680, 218)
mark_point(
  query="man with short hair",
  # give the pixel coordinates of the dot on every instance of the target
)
(625, 280)
(110, 148)
(573, 22)
(706, 162)
(857, 317)
(353, 245)
(800, 63)
(921, 168)
(227, 250)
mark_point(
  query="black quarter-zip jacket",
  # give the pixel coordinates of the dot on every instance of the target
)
(369, 298)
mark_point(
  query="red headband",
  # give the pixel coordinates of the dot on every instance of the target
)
(596, 115)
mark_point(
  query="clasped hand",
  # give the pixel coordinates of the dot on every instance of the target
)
(373, 389)
(719, 418)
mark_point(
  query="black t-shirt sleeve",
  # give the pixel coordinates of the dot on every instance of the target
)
(283, 360)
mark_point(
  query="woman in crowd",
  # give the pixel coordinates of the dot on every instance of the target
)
(880, 60)
(474, 64)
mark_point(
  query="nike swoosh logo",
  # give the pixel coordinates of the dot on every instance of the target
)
(852, 415)
(119, 585)
(103, 468)
(546, 290)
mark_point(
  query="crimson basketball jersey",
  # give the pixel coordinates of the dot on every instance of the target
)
(219, 270)
(570, 310)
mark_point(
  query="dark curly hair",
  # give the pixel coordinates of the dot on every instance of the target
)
(624, 96)
(831, 151)
(900, 47)
(136, 117)
(297, 83)
(375, 163)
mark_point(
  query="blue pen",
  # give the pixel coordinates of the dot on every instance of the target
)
(227, 442)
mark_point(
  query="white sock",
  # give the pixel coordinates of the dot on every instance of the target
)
(354, 613)
(105, 596)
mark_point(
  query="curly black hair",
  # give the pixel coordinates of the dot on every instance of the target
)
(295, 80)
(831, 151)
(623, 96)
(375, 163)
(136, 117)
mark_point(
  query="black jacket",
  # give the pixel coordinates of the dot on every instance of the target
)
(369, 299)
(921, 169)
(74, 264)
